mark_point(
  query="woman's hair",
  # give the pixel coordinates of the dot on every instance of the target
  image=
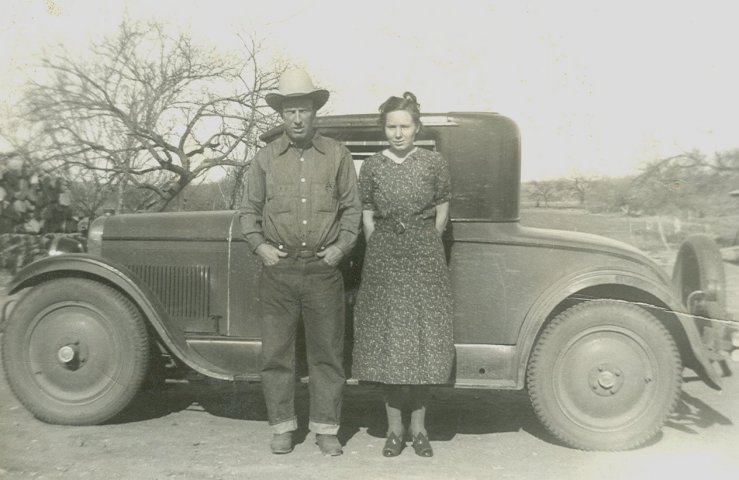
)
(408, 102)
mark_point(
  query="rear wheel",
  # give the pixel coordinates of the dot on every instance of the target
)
(604, 375)
(75, 351)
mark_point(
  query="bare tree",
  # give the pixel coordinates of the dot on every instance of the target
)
(580, 187)
(691, 182)
(541, 192)
(726, 162)
(150, 111)
(91, 191)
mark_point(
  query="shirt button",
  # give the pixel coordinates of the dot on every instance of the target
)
(303, 200)
(305, 222)
(303, 244)
(302, 159)
(302, 180)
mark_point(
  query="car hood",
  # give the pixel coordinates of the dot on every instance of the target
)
(213, 225)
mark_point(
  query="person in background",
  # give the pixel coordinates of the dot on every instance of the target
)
(301, 217)
(403, 316)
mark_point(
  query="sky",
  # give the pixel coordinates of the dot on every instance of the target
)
(596, 88)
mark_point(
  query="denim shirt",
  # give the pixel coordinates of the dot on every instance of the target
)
(302, 199)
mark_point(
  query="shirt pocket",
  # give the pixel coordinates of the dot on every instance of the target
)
(280, 198)
(323, 198)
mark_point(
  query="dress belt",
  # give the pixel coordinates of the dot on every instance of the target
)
(401, 225)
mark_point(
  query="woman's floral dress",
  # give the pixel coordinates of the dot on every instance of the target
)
(403, 315)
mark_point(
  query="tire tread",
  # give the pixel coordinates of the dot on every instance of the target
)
(139, 354)
(535, 392)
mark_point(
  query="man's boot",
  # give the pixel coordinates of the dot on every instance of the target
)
(282, 443)
(329, 444)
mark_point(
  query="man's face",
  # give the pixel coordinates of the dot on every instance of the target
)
(299, 116)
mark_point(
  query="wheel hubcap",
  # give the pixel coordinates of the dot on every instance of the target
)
(72, 352)
(67, 354)
(602, 378)
(606, 379)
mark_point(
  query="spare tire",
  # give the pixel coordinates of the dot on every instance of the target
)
(699, 267)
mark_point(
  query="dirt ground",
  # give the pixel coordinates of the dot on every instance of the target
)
(213, 430)
(218, 430)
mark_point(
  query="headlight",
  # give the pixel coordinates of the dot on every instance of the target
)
(65, 245)
(95, 236)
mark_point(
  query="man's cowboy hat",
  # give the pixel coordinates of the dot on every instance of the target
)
(293, 84)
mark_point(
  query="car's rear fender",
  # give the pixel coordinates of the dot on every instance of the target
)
(618, 285)
(83, 265)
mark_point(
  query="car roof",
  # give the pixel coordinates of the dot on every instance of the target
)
(367, 121)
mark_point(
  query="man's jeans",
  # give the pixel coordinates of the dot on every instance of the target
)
(309, 288)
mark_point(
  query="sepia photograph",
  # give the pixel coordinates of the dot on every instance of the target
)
(373, 240)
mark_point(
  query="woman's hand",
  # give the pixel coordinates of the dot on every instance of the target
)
(442, 217)
(368, 223)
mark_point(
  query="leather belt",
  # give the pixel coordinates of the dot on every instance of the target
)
(296, 252)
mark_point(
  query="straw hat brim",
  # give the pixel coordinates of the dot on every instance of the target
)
(319, 97)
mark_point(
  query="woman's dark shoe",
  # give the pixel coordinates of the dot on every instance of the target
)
(393, 445)
(421, 446)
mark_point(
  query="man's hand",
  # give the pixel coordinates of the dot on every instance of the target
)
(269, 254)
(331, 255)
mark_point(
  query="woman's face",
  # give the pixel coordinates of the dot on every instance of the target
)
(400, 130)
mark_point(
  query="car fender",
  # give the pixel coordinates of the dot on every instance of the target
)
(123, 279)
(566, 287)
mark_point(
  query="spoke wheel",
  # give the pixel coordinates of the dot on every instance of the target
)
(604, 375)
(75, 351)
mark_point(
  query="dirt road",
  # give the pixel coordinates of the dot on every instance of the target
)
(215, 430)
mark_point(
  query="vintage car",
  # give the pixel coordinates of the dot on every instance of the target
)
(591, 327)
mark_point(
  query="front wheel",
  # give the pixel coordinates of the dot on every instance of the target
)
(604, 375)
(75, 351)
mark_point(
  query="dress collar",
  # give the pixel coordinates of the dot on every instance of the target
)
(387, 153)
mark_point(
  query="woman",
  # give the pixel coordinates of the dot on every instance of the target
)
(403, 315)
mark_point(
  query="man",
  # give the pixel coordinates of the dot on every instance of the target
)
(301, 217)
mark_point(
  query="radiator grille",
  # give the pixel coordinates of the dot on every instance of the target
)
(184, 290)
